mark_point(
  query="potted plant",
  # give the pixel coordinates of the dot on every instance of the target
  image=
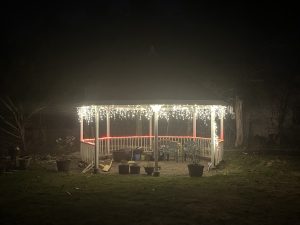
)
(121, 154)
(149, 168)
(135, 168)
(63, 164)
(124, 167)
(24, 162)
(18, 161)
(137, 153)
(65, 146)
(195, 168)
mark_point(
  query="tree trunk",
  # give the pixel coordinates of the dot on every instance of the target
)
(239, 122)
(247, 126)
(283, 108)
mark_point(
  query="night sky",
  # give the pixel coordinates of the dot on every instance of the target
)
(143, 49)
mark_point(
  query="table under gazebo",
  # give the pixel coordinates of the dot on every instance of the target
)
(93, 148)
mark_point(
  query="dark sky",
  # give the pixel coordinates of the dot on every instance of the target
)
(143, 49)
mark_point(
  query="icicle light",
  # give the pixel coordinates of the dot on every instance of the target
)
(184, 112)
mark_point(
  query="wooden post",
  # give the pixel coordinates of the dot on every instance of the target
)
(81, 138)
(81, 129)
(150, 132)
(212, 136)
(222, 126)
(156, 109)
(96, 162)
(108, 131)
(156, 141)
(194, 125)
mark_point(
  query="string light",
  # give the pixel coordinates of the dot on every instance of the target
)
(184, 112)
(202, 112)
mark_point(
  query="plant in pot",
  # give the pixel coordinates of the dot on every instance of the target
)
(63, 164)
(192, 150)
(135, 168)
(124, 167)
(65, 146)
(149, 168)
(24, 162)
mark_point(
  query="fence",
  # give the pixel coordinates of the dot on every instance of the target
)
(109, 144)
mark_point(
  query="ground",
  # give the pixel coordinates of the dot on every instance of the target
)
(248, 188)
(170, 167)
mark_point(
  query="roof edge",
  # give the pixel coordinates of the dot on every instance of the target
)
(154, 102)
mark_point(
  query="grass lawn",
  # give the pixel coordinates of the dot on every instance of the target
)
(247, 189)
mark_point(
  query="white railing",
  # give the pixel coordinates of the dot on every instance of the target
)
(109, 144)
(219, 152)
(87, 151)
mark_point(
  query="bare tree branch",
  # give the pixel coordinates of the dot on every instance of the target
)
(9, 123)
(18, 120)
(10, 133)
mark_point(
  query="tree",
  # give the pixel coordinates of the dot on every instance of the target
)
(16, 121)
(239, 122)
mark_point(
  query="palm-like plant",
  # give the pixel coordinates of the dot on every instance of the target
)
(192, 151)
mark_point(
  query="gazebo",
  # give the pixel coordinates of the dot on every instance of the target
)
(92, 148)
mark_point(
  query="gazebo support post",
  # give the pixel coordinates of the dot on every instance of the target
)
(194, 125)
(150, 132)
(222, 126)
(108, 131)
(81, 129)
(96, 162)
(213, 136)
(222, 134)
(156, 171)
(81, 137)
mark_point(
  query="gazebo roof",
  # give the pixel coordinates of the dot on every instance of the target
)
(184, 109)
(157, 102)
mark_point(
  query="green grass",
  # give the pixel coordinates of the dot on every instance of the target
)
(246, 189)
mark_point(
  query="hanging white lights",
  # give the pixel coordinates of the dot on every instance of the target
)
(155, 108)
(184, 112)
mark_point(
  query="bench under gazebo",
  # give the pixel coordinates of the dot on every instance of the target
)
(93, 148)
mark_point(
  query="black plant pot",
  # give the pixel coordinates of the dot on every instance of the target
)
(156, 173)
(195, 170)
(123, 169)
(24, 163)
(63, 165)
(149, 170)
(135, 169)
